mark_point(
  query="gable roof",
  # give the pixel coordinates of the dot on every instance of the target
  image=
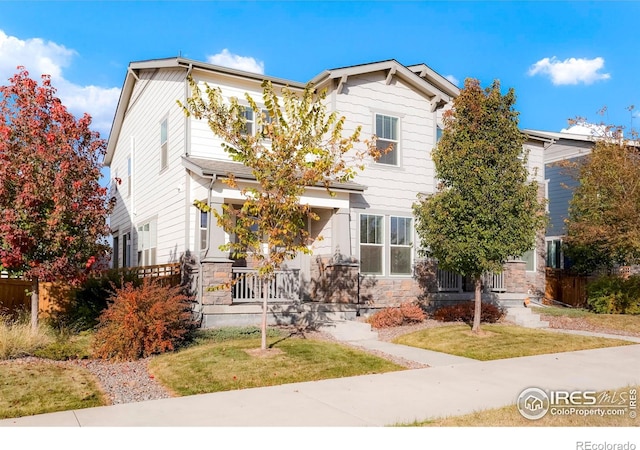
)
(434, 86)
(552, 136)
(172, 63)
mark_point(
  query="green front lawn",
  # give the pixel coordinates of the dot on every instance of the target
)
(499, 341)
(612, 323)
(28, 388)
(238, 364)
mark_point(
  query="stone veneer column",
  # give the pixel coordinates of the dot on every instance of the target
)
(216, 266)
(515, 278)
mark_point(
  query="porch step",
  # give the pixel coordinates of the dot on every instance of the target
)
(349, 330)
(525, 317)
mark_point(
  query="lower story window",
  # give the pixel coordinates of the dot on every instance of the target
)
(554, 254)
(371, 244)
(529, 257)
(401, 243)
(383, 253)
(204, 220)
(147, 244)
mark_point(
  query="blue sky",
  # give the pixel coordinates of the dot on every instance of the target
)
(564, 59)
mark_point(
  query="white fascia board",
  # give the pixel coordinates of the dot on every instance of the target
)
(410, 77)
(312, 197)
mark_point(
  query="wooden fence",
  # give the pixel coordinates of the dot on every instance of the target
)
(566, 288)
(15, 293)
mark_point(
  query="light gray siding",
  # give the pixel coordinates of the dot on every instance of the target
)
(156, 194)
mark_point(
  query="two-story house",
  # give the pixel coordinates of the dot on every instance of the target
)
(164, 161)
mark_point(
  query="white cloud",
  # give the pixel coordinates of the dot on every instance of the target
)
(40, 57)
(246, 63)
(453, 79)
(571, 70)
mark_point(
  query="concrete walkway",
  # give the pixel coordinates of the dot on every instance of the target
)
(452, 386)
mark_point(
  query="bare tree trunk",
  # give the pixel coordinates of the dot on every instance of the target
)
(263, 289)
(35, 294)
(477, 313)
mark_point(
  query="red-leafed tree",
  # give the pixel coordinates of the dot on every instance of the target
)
(53, 211)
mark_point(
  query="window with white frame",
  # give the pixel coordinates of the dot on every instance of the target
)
(529, 257)
(203, 228)
(147, 244)
(400, 245)
(116, 251)
(554, 253)
(387, 136)
(249, 125)
(371, 244)
(164, 146)
(126, 250)
(386, 253)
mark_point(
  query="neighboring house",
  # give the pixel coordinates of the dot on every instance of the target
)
(368, 257)
(559, 148)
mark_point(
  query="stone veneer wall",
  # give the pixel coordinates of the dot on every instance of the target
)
(216, 274)
(515, 277)
(340, 282)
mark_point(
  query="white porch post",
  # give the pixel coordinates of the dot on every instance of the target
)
(216, 235)
(341, 233)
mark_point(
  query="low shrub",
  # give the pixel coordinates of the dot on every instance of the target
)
(406, 313)
(142, 321)
(464, 312)
(92, 298)
(385, 318)
(412, 313)
(614, 295)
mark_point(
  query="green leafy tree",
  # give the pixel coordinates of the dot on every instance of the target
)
(603, 226)
(299, 144)
(485, 210)
(53, 210)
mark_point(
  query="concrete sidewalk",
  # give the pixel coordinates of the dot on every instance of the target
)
(371, 400)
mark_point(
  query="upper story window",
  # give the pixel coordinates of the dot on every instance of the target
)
(164, 147)
(251, 121)
(249, 126)
(387, 135)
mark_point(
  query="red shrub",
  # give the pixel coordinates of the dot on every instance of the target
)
(412, 313)
(396, 316)
(385, 318)
(463, 312)
(141, 321)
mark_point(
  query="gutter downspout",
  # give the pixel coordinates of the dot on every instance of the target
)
(204, 253)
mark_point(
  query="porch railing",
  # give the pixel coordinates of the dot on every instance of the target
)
(452, 282)
(449, 281)
(247, 287)
(494, 282)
